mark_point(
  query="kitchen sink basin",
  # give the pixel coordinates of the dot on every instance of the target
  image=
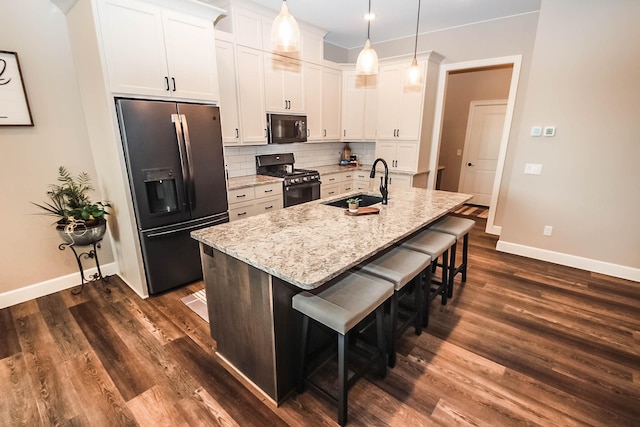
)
(365, 200)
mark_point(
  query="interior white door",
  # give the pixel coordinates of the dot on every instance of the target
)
(481, 148)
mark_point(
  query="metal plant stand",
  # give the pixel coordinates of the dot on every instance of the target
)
(92, 253)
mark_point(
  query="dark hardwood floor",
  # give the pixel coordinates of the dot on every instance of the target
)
(522, 343)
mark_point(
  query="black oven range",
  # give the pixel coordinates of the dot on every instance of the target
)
(298, 185)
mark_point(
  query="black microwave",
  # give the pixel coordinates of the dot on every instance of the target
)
(285, 128)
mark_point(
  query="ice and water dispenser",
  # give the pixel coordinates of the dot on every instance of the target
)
(162, 195)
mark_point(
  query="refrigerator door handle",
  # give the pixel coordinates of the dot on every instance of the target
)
(187, 143)
(176, 119)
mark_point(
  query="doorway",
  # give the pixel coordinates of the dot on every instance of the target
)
(481, 148)
(445, 109)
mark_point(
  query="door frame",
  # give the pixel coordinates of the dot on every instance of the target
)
(516, 62)
(465, 149)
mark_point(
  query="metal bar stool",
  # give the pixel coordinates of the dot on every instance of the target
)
(401, 266)
(435, 245)
(341, 307)
(458, 227)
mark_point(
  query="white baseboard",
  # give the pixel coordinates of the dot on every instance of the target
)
(47, 287)
(615, 270)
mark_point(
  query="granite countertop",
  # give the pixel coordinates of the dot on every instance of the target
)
(309, 244)
(250, 181)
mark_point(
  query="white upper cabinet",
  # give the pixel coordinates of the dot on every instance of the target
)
(313, 101)
(331, 103)
(284, 84)
(359, 107)
(399, 106)
(250, 77)
(229, 114)
(247, 28)
(157, 52)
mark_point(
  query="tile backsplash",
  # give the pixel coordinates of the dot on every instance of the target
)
(241, 161)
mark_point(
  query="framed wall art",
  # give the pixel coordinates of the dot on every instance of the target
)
(14, 105)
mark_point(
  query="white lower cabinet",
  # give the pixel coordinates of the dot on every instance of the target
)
(329, 190)
(400, 181)
(398, 155)
(250, 201)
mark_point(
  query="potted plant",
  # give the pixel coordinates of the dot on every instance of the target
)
(80, 221)
(353, 203)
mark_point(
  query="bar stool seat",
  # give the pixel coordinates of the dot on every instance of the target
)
(435, 245)
(341, 307)
(460, 228)
(400, 266)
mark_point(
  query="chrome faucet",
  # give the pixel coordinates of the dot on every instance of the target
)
(384, 185)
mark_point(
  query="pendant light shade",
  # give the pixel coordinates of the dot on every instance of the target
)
(367, 63)
(285, 33)
(414, 73)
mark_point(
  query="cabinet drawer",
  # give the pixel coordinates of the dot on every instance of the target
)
(346, 186)
(328, 190)
(362, 184)
(268, 190)
(333, 178)
(241, 210)
(241, 195)
(268, 204)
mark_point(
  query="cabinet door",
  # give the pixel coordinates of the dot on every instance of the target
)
(229, 118)
(251, 95)
(313, 101)
(353, 106)
(191, 55)
(406, 156)
(247, 28)
(293, 86)
(371, 109)
(388, 95)
(331, 101)
(274, 67)
(134, 47)
(399, 181)
(386, 151)
(409, 110)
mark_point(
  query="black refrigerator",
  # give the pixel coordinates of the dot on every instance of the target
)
(175, 165)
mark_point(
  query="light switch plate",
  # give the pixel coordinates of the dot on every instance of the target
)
(536, 131)
(549, 131)
(533, 169)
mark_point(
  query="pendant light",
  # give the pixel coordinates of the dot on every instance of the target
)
(367, 63)
(414, 73)
(285, 34)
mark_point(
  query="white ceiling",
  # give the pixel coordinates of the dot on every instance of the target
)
(344, 19)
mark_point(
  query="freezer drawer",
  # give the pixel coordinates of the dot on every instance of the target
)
(171, 256)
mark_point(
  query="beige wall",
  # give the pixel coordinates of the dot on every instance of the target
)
(30, 156)
(462, 88)
(584, 79)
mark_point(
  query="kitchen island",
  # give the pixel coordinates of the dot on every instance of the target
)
(253, 267)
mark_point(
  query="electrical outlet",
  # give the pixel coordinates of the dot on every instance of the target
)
(458, 152)
(547, 230)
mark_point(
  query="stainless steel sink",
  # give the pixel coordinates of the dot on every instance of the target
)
(365, 200)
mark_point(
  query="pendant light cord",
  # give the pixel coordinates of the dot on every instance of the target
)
(369, 21)
(415, 49)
